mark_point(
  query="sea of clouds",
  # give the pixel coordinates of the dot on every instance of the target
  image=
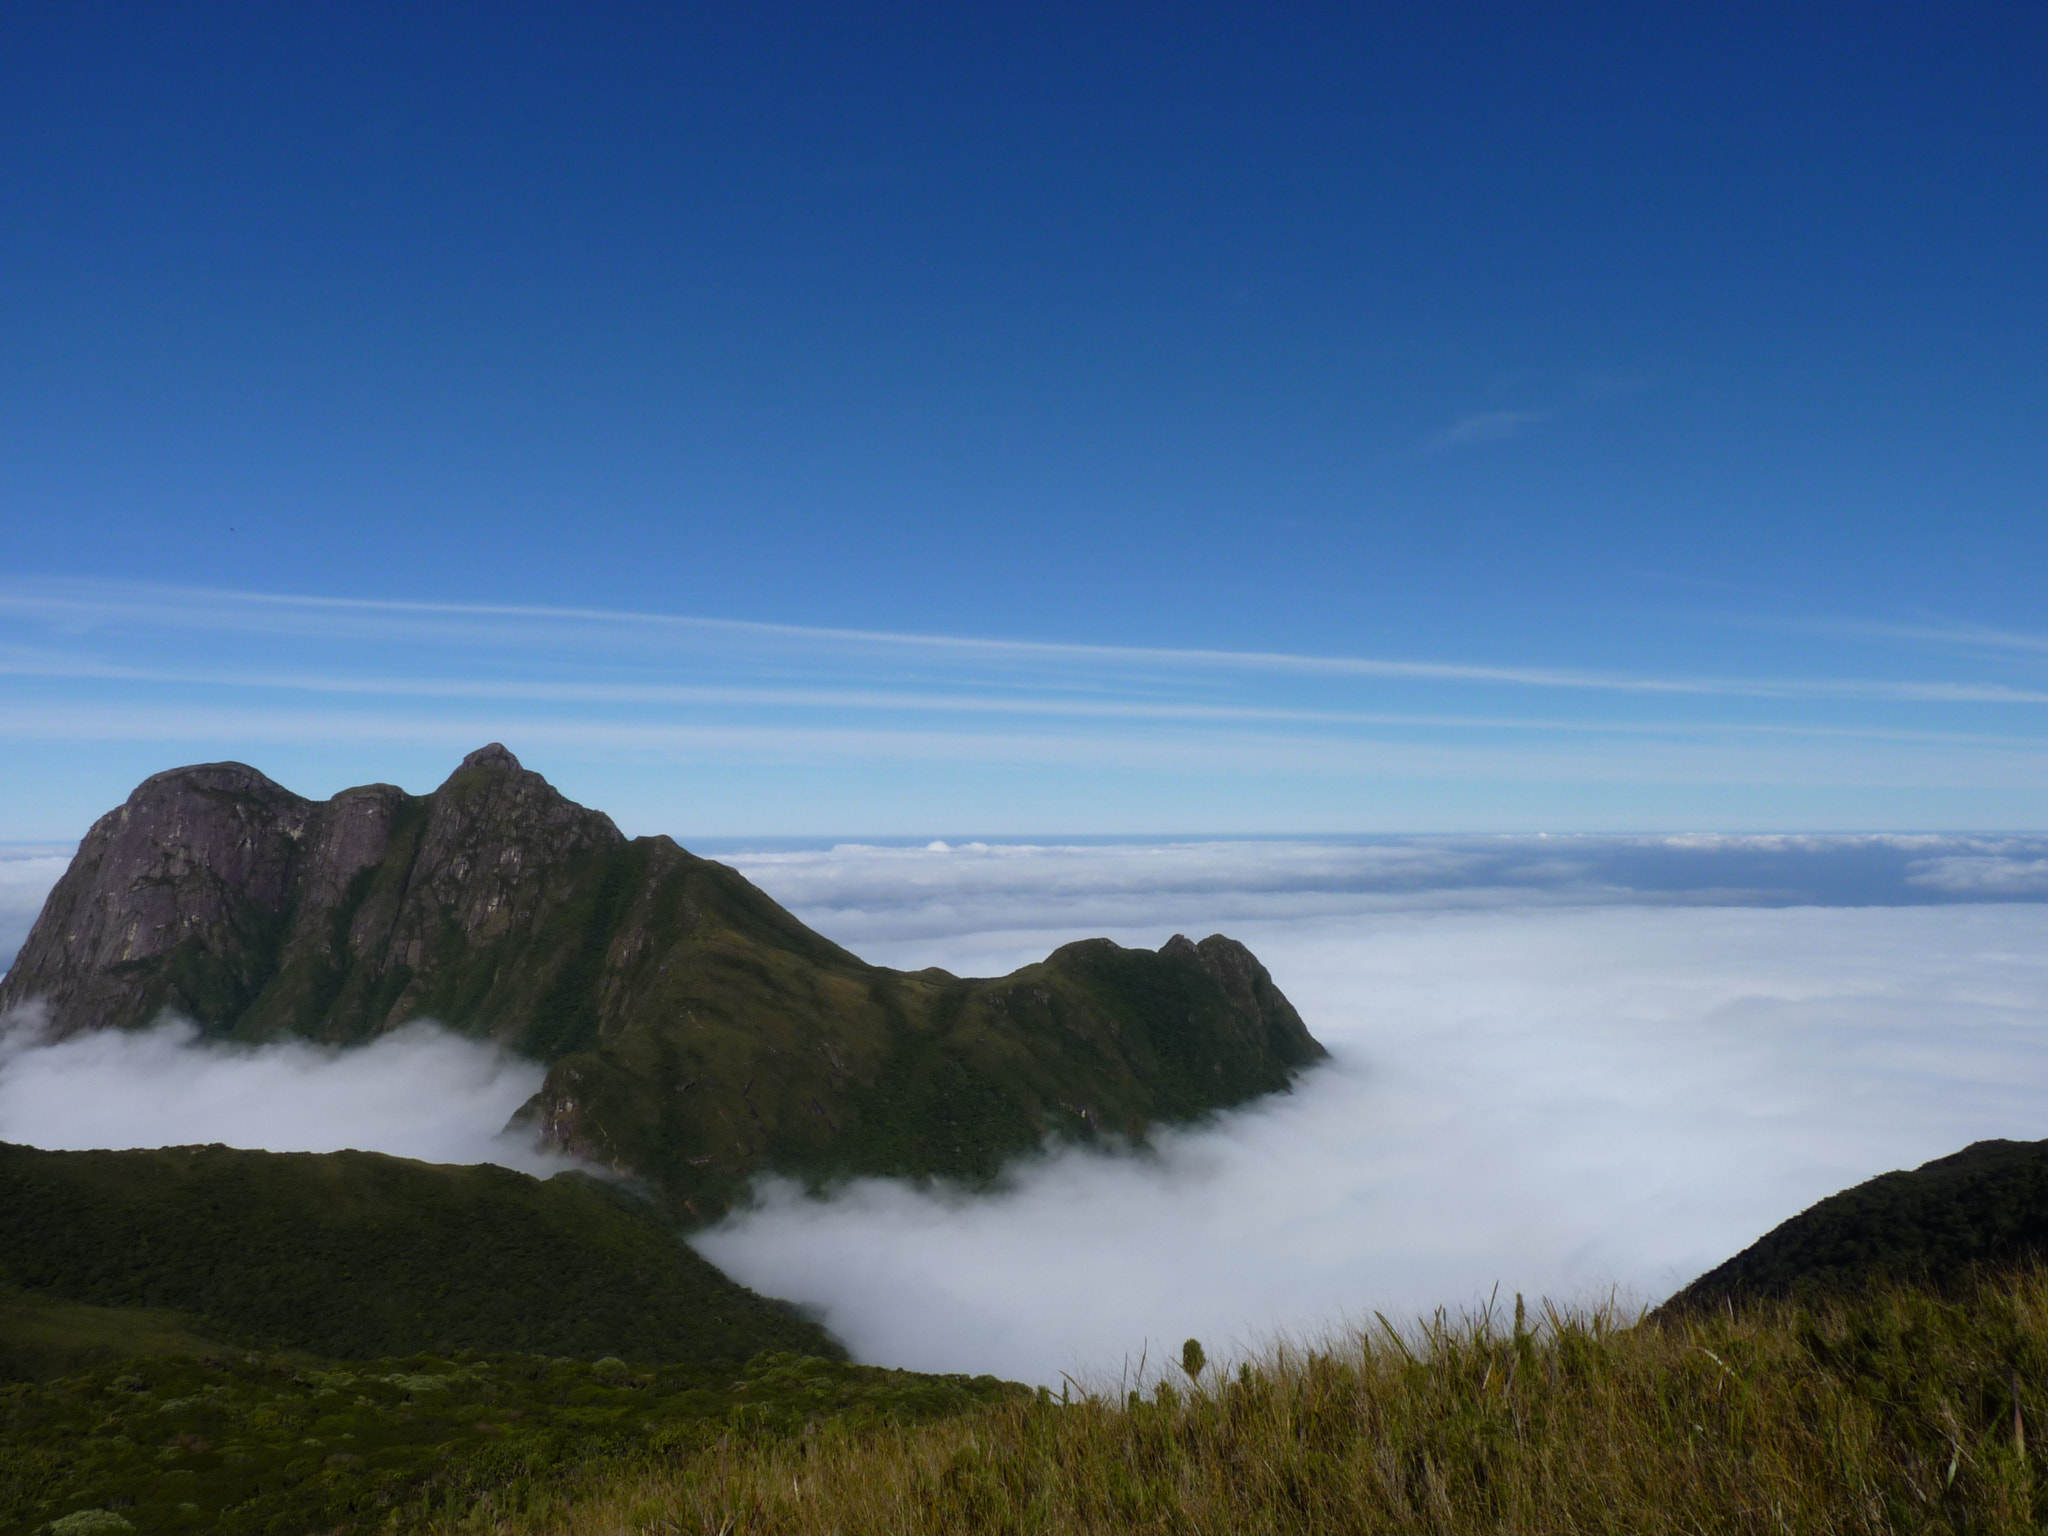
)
(1559, 1065)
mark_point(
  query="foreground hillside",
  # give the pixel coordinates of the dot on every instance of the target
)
(1895, 1411)
(695, 1032)
(1854, 1403)
(1892, 1410)
(354, 1254)
(243, 1445)
(1983, 1207)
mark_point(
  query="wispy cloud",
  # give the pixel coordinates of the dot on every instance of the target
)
(1486, 427)
(1947, 636)
(83, 608)
(1640, 757)
(88, 661)
(15, 662)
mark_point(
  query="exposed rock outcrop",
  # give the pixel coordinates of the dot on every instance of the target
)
(697, 1032)
(225, 897)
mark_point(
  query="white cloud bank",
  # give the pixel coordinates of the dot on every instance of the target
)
(886, 901)
(1983, 875)
(1554, 1100)
(1560, 1064)
(416, 1092)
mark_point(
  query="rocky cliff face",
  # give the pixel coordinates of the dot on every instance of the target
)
(697, 1032)
(226, 898)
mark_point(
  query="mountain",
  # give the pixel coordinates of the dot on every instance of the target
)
(695, 1032)
(355, 1254)
(1980, 1209)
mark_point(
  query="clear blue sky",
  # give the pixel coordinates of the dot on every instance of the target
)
(1594, 416)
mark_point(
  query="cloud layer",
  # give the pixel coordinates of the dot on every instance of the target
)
(416, 1092)
(1560, 1064)
(854, 725)
(883, 900)
(1554, 1100)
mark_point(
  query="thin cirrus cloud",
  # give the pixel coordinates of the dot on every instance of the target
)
(2015, 765)
(107, 662)
(16, 661)
(81, 609)
(1486, 427)
(1947, 636)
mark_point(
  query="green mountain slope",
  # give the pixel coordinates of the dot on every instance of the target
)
(1983, 1208)
(354, 1254)
(696, 1032)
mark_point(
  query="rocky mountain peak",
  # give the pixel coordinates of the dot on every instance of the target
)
(219, 894)
(695, 1031)
(493, 755)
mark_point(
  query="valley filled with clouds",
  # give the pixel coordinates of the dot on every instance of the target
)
(1559, 1065)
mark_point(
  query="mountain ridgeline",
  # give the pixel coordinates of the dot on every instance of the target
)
(695, 1032)
(1974, 1214)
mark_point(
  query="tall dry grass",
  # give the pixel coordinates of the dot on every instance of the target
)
(1896, 1412)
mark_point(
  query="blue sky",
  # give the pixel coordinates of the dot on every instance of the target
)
(972, 420)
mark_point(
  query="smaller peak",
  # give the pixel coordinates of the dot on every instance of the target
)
(493, 756)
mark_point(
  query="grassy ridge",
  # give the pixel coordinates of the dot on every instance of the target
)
(355, 1254)
(1893, 1411)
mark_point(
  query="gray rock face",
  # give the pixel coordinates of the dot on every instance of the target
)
(221, 895)
(194, 855)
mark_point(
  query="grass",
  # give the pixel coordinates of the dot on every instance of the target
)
(1893, 1410)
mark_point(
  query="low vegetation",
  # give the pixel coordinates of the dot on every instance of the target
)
(42, 1337)
(353, 1255)
(1936, 1225)
(1891, 1410)
(280, 1446)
